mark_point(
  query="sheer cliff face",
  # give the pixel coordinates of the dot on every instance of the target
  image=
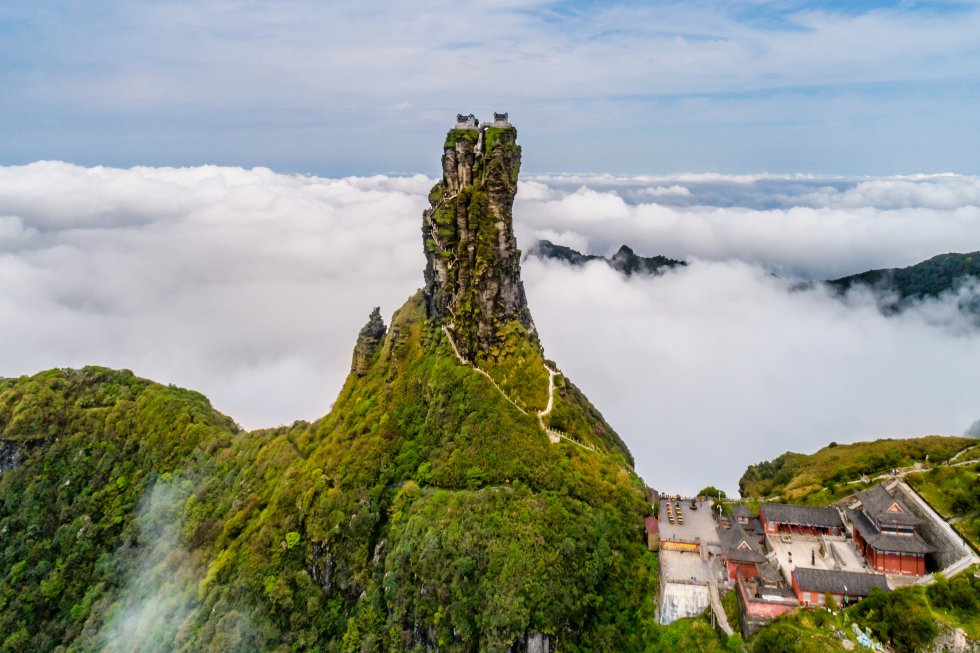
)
(472, 275)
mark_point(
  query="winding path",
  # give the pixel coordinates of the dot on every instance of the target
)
(553, 436)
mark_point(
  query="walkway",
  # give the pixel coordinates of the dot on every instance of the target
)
(553, 435)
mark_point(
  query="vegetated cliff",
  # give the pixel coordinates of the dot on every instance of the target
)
(898, 287)
(472, 273)
(625, 260)
(429, 510)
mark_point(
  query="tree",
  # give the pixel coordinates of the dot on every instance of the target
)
(713, 492)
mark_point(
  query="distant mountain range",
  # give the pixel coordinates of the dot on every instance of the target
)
(625, 260)
(929, 278)
(895, 287)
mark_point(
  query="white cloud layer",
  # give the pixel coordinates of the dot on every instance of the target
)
(250, 286)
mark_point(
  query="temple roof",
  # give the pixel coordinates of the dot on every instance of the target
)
(851, 583)
(819, 517)
(887, 542)
(886, 509)
(770, 573)
(741, 511)
(739, 546)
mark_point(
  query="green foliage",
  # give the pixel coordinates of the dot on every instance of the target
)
(94, 441)
(493, 136)
(926, 279)
(517, 366)
(804, 631)
(901, 618)
(822, 477)
(957, 601)
(687, 635)
(573, 414)
(954, 492)
(424, 510)
(713, 492)
(729, 602)
(455, 135)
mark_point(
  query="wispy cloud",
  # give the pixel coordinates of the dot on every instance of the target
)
(304, 85)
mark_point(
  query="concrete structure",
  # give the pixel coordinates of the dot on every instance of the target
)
(802, 520)
(813, 586)
(824, 552)
(686, 536)
(500, 119)
(679, 522)
(680, 600)
(760, 602)
(884, 531)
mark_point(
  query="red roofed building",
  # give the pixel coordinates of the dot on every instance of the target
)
(812, 586)
(741, 552)
(653, 533)
(885, 534)
(800, 520)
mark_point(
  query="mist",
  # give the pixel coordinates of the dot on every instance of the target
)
(250, 286)
(157, 608)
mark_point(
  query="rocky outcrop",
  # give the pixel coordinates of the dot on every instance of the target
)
(534, 642)
(625, 260)
(11, 455)
(950, 640)
(368, 342)
(472, 274)
(629, 263)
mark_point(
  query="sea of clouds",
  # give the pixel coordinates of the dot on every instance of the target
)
(250, 286)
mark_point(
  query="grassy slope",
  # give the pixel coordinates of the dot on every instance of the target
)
(955, 493)
(423, 508)
(820, 477)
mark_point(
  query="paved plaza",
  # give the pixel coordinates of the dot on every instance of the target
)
(794, 551)
(698, 524)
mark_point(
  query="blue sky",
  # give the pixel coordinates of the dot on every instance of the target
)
(625, 87)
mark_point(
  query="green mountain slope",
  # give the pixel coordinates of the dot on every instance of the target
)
(930, 278)
(443, 503)
(822, 476)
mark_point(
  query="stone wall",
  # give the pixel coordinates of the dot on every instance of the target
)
(950, 547)
(679, 600)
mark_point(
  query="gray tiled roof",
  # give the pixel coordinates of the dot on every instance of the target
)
(770, 573)
(890, 542)
(852, 583)
(740, 546)
(876, 503)
(820, 517)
